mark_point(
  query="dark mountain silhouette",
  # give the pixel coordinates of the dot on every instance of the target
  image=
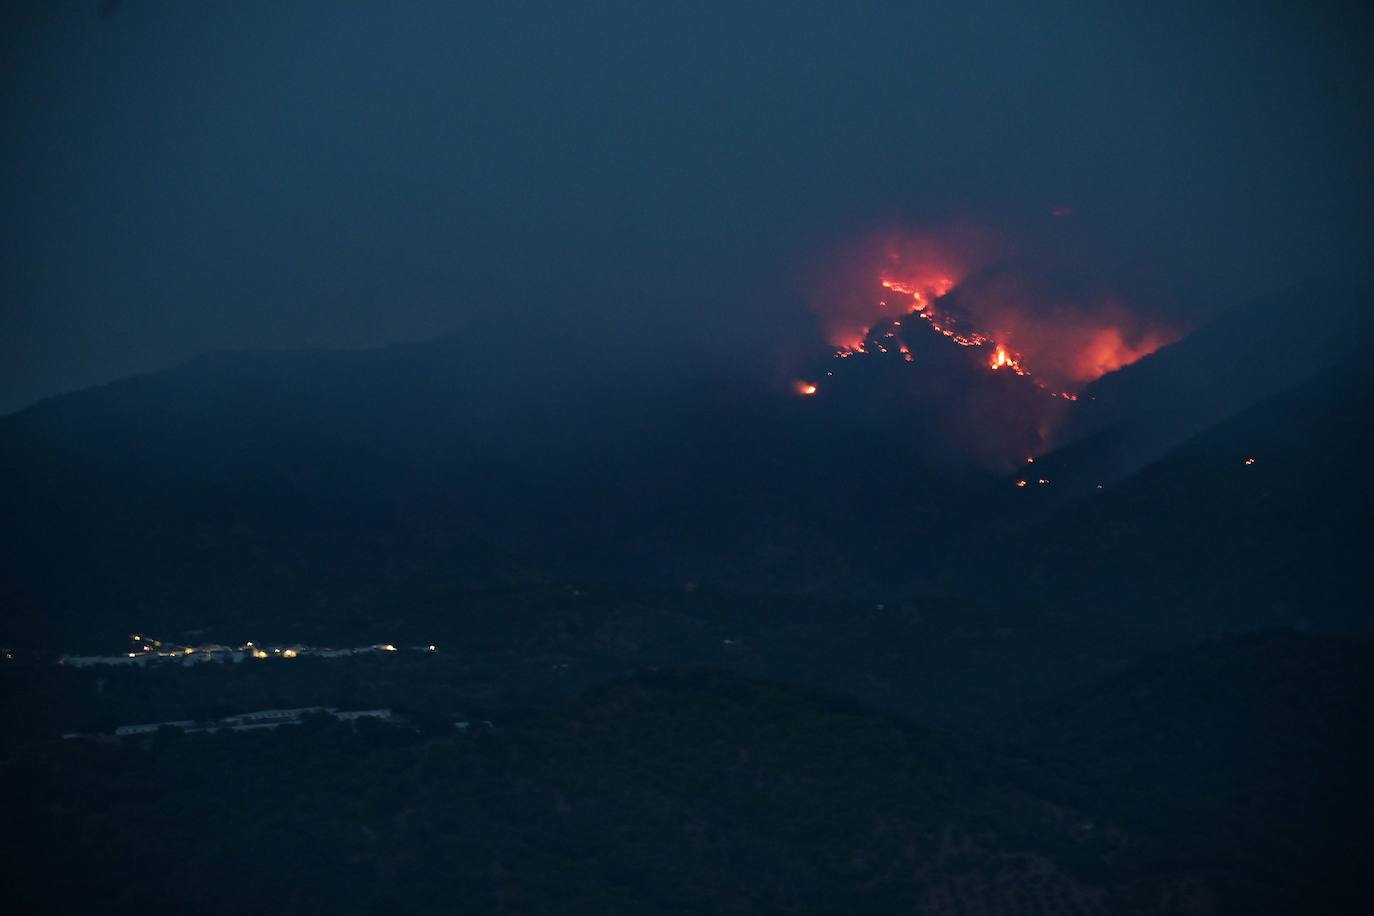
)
(1260, 521)
(1132, 416)
(325, 486)
(336, 489)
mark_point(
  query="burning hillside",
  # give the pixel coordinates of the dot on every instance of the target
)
(980, 356)
(962, 292)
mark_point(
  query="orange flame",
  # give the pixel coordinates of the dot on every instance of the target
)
(1027, 327)
(1068, 346)
(1004, 360)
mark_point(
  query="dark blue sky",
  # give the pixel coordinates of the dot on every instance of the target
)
(179, 177)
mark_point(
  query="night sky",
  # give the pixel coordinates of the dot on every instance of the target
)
(183, 177)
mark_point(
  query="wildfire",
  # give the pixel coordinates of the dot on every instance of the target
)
(925, 295)
(921, 292)
(1075, 346)
(1008, 309)
(1004, 360)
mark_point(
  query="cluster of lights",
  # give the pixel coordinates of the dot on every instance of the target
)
(154, 647)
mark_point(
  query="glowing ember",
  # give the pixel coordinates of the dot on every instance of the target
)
(806, 389)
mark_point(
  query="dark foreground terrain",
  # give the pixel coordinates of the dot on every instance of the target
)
(668, 678)
(1229, 777)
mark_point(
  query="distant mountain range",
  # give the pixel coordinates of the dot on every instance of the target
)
(744, 648)
(320, 491)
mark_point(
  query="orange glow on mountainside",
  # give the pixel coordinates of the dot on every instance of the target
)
(1069, 348)
(1106, 351)
(958, 287)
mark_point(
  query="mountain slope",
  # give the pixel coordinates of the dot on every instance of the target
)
(322, 487)
(1132, 416)
(337, 488)
(1259, 521)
